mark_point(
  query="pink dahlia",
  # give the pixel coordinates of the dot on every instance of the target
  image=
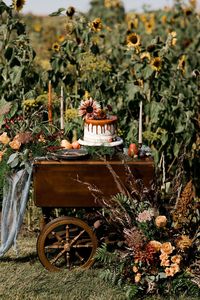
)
(88, 109)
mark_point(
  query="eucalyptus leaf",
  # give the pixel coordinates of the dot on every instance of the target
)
(12, 158)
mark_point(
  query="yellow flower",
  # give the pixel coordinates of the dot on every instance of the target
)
(156, 245)
(167, 248)
(18, 4)
(133, 40)
(4, 139)
(176, 259)
(15, 145)
(164, 19)
(138, 277)
(96, 25)
(133, 24)
(145, 55)
(161, 221)
(156, 63)
(37, 27)
(56, 47)
(182, 63)
(71, 113)
(183, 242)
(172, 38)
(61, 38)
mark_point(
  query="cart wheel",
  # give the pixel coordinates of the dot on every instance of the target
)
(66, 243)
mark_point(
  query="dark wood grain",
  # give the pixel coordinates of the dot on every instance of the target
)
(55, 183)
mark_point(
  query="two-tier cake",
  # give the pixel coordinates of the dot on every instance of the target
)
(100, 129)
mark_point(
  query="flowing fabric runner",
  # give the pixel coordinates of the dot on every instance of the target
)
(16, 192)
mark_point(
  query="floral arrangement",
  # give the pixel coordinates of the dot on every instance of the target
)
(91, 109)
(153, 253)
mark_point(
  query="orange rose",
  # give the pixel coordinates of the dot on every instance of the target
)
(176, 259)
(15, 144)
(165, 263)
(167, 248)
(156, 245)
(4, 139)
(138, 277)
(175, 268)
(169, 272)
(161, 221)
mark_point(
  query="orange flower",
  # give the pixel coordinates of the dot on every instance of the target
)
(183, 242)
(156, 245)
(138, 277)
(165, 263)
(4, 139)
(15, 144)
(176, 259)
(167, 248)
(169, 272)
(175, 268)
(163, 256)
(161, 221)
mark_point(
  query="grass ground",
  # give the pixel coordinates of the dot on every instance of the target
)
(23, 277)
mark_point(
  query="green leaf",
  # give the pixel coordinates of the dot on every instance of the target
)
(147, 72)
(15, 76)
(57, 13)
(176, 149)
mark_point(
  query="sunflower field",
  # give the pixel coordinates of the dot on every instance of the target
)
(118, 58)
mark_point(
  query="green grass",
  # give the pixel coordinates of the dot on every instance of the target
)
(23, 277)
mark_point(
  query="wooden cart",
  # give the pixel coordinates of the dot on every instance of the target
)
(68, 242)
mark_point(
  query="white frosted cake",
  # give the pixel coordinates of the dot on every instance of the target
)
(99, 128)
(100, 131)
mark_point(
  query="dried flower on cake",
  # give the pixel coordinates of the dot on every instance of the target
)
(88, 109)
(144, 216)
(156, 245)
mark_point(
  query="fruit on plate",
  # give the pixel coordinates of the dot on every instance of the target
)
(66, 144)
(132, 150)
(76, 145)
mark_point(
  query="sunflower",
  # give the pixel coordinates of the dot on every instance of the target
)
(149, 26)
(133, 40)
(133, 24)
(56, 47)
(96, 25)
(88, 109)
(18, 4)
(145, 55)
(156, 63)
(182, 63)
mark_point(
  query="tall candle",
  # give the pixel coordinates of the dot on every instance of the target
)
(140, 125)
(50, 103)
(61, 109)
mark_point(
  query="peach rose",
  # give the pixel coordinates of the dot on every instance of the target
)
(176, 259)
(15, 145)
(169, 272)
(175, 268)
(156, 245)
(4, 139)
(167, 248)
(164, 256)
(161, 221)
(165, 263)
(138, 277)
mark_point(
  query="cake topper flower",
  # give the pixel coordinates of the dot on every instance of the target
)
(88, 109)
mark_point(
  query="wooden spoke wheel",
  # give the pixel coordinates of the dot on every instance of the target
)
(66, 243)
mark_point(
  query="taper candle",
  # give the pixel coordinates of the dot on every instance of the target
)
(50, 103)
(140, 125)
(61, 109)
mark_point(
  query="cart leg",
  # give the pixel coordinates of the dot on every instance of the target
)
(45, 217)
